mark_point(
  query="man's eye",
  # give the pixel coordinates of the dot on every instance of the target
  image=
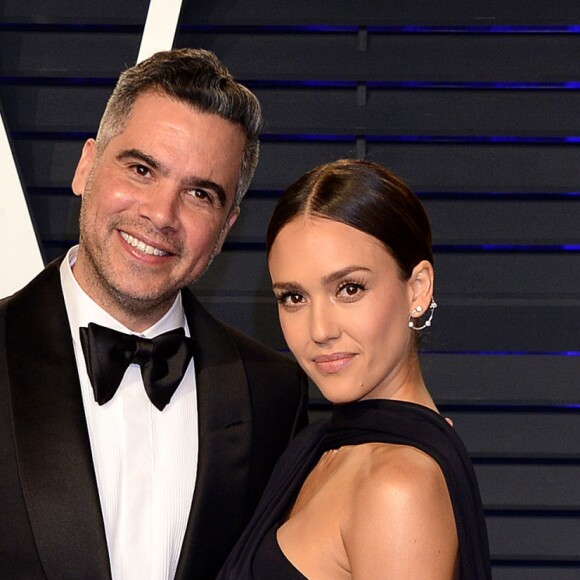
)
(141, 170)
(201, 194)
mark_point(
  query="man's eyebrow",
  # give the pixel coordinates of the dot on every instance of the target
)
(141, 156)
(189, 182)
(198, 182)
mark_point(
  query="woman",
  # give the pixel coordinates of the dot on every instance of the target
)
(385, 489)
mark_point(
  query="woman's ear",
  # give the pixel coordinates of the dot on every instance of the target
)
(84, 167)
(421, 285)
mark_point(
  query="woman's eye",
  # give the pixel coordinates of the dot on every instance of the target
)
(350, 290)
(290, 299)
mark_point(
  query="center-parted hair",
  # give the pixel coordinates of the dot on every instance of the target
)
(365, 196)
(196, 78)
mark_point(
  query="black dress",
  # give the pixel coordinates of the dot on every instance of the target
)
(257, 555)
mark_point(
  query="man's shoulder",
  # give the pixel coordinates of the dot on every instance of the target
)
(253, 347)
(247, 346)
(39, 289)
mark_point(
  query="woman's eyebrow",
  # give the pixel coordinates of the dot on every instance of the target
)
(287, 286)
(334, 276)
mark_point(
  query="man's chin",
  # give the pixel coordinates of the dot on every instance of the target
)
(140, 301)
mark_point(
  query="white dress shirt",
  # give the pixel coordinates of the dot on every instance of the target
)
(145, 460)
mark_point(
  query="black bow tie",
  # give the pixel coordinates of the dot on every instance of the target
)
(163, 361)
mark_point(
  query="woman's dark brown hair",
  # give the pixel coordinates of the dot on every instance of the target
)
(365, 196)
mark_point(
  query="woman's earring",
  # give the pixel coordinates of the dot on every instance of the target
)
(413, 320)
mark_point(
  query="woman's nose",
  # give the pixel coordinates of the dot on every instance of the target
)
(324, 324)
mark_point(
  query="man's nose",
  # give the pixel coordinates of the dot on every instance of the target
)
(160, 206)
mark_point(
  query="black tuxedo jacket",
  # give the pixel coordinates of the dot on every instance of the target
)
(251, 401)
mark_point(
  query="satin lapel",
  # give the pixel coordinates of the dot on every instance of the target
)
(225, 431)
(52, 442)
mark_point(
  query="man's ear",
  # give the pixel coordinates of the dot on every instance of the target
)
(421, 285)
(84, 167)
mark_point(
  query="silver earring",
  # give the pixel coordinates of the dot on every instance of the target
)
(418, 310)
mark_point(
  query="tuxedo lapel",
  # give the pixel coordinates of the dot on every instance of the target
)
(52, 444)
(225, 430)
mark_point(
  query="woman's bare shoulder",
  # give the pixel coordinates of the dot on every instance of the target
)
(399, 515)
(397, 473)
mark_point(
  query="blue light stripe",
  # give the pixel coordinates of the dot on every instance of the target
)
(185, 28)
(416, 85)
(425, 139)
(58, 81)
(321, 83)
(477, 29)
(476, 139)
(52, 135)
(477, 407)
(483, 85)
(496, 196)
(500, 195)
(506, 248)
(539, 563)
(528, 460)
(70, 27)
(544, 29)
(502, 352)
(274, 194)
(507, 407)
(351, 138)
(448, 248)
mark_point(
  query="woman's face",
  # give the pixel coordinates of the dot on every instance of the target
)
(343, 308)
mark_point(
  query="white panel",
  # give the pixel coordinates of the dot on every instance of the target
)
(160, 27)
(20, 258)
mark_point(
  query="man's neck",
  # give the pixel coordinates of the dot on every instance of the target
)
(135, 315)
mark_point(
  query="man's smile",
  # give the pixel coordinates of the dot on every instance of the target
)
(142, 246)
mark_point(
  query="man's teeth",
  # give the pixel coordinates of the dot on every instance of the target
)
(142, 246)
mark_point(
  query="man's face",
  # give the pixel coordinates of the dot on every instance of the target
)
(157, 205)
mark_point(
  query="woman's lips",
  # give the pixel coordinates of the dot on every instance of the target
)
(333, 363)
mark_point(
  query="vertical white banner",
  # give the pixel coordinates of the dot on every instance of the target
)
(21, 259)
(160, 27)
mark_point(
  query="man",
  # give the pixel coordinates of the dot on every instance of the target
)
(154, 477)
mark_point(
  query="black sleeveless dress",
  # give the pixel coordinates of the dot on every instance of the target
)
(257, 556)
